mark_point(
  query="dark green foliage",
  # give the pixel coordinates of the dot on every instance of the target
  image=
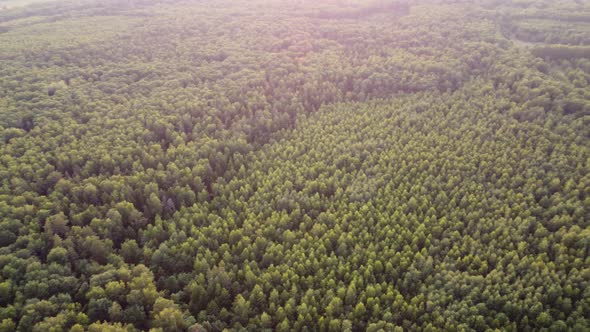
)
(295, 166)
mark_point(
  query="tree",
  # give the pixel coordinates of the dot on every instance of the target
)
(167, 316)
(57, 224)
(241, 307)
(7, 325)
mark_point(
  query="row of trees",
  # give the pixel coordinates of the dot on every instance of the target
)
(551, 32)
(539, 22)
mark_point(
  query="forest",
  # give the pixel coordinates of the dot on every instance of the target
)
(294, 165)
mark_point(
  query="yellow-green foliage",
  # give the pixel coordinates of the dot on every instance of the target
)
(278, 165)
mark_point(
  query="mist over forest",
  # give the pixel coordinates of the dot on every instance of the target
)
(294, 165)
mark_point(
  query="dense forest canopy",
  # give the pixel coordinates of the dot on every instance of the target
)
(283, 165)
